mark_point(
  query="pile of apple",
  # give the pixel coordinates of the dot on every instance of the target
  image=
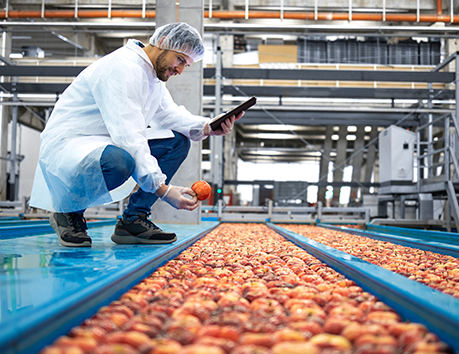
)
(438, 271)
(243, 289)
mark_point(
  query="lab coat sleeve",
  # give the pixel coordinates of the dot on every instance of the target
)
(119, 89)
(178, 118)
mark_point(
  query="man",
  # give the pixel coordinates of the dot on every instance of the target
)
(117, 120)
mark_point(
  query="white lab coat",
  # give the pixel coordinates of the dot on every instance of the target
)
(117, 100)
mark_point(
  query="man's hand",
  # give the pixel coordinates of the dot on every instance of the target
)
(175, 196)
(226, 126)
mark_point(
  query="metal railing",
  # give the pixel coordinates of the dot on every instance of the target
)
(445, 169)
(271, 213)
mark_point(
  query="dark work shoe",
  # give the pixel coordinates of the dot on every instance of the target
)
(71, 229)
(140, 231)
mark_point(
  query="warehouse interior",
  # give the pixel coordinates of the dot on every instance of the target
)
(355, 133)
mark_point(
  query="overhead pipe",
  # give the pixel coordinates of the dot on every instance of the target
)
(230, 15)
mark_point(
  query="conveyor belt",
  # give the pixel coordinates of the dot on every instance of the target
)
(412, 300)
(425, 240)
(46, 289)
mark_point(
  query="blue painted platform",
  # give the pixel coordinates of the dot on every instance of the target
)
(46, 289)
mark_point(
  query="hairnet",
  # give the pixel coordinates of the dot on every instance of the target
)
(180, 37)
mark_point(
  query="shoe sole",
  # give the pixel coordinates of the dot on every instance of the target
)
(55, 227)
(132, 240)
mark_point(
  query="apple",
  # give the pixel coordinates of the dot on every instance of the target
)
(372, 348)
(114, 348)
(86, 344)
(382, 317)
(132, 338)
(336, 325)
(202, 189)
(290, 335)
(307, 328)
(375, 339)
(399, 328)
(295, 348)
(354, 331)
(333, 341)
(227, 332)
(251, 349)
(201, 349)
(224, 343)
(88, 332)
(62, 350)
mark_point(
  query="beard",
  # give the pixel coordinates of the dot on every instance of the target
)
(161, 67)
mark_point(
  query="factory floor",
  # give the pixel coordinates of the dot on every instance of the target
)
(40, 279)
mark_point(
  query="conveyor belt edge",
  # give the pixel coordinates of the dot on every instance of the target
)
(424, 243)
(29, 335)
(412, 300)
(439, 236)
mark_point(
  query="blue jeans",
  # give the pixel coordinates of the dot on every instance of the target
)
(118, 165)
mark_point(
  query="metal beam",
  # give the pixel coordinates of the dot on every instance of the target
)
(32, 87)
(262, 74)
(24, 70)
(329, 92)
(324, 118)
(320, 184)
(265, 74)
(272, 91)
(332, 75)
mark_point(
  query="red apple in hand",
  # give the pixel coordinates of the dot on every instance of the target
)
(202, 189)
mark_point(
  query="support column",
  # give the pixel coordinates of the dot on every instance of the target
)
(186, 90)
(324, 161)
(371, 155)
(340, 157)
(4, 119)
(3, 152)
(226, 43)
(357, 159)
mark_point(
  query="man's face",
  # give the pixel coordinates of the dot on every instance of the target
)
(170, 63)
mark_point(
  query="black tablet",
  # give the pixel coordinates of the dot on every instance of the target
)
(215, 124)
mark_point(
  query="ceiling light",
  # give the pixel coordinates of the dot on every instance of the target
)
(335, 137)
(352, 128)
(16, 56)
(351, 137)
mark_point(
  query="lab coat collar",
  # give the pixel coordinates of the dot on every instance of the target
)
(132, 45)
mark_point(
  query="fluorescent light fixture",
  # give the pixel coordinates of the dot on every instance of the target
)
(335, 137)
(16, 55)
(351, 137)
